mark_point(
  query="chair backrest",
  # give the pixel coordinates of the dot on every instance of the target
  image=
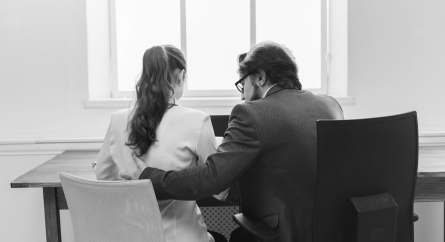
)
(362, 158)
(112, 210)
(220, 124)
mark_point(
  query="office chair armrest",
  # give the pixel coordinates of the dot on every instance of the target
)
(256, 228)
(415, 217)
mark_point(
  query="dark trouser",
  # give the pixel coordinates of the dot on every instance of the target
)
(217, 236)
(240, 235)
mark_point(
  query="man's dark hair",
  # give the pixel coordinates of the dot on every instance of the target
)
(277, 62)
(241, 57)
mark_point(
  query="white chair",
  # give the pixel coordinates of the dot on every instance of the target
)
(112, 210)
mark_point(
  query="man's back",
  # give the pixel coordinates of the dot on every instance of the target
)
(269, 148)
(279, 187)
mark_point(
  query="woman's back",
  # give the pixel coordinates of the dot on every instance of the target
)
(184, 138)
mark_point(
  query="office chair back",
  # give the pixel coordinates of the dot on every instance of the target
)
(220, 124)
(112, 210)
(365, 157)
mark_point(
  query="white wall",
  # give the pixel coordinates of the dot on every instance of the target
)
(21, 209)
(429, 227)
(43, 77)
(395, 51)
(396, 63)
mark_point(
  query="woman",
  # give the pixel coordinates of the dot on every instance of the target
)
(162, 134)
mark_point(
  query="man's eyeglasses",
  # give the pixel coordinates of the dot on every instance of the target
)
(239, 85)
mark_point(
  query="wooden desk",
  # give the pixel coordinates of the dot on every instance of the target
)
(77, 163)
(430, 183)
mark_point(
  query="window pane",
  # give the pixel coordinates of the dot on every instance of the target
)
(217, 32)
(141, 24)
(297, 25)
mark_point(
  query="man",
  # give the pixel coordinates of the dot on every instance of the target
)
(269, 148)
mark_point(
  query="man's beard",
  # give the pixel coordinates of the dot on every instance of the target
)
(256, 92)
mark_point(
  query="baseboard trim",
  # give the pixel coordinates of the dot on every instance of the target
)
(55, 146)
(47, 146)
(432, 138)
(30, 152)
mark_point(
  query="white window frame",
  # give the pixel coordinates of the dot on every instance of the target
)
(324, 58)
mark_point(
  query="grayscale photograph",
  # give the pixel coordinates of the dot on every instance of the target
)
(222, 121)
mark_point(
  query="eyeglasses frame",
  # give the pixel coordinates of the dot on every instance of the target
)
(238, 83)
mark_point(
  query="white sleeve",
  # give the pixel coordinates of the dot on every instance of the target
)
(206, 146)
(206, 143)
(106, 168)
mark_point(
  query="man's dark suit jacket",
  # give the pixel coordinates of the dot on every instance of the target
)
(270, 149)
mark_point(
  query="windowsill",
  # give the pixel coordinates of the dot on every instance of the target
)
(188, 102)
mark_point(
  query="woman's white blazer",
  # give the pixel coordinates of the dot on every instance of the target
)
(185, 138)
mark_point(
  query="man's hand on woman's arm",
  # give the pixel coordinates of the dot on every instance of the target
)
(240, 150)
(140, 167)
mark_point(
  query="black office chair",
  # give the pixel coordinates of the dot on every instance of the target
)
(374, 162)
(360, 158)
(220, 124)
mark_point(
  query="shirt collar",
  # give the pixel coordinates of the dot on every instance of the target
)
(268, 90)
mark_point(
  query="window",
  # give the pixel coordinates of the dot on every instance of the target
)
(212, 34)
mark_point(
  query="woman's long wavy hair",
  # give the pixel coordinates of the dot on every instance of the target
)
(154, 95)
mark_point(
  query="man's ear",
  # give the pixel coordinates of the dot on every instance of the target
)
(262, 78)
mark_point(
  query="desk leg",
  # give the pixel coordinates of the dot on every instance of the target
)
(52, 218)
